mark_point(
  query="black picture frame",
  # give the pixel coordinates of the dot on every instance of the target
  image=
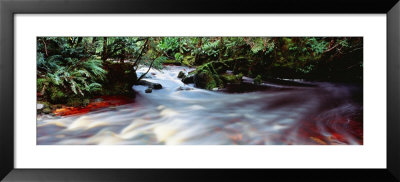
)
(8, 8)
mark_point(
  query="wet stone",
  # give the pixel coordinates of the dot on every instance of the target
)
(148, 90)
(39, 106)
(181, 74)
(47, 110)
(180, 88)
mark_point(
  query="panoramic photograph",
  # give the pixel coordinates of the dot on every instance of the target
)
(199, 91)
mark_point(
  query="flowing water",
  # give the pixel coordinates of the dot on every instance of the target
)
(311, 113)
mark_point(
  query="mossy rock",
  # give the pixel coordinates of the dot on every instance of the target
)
(119, 79)
(231, 79)
(204, 80)
(207, 75)
(47, 110)
(188, 61)
(173, 62)
(77, 101)
(257, 80)
(219, 67)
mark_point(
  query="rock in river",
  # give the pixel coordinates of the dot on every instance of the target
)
(47, 110)
(148, 90)
(188, 79)
(150, 84)
(180, 88)
(181, 74)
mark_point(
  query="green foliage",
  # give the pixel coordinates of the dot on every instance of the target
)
(158, 62)
(208, 75)
(121, 48)
(230, 78)
(258, 80)
(78, 75)
(41, 82)
(306, 69)
(211, 48)
(57, 95)
(169, 44)
(318, 46)
(188, 61)
(178, 56)
(66, 65)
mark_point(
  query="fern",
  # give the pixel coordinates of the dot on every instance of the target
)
(71, 68)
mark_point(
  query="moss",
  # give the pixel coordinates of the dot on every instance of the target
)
(171, 61)
(188, 61)
(56, 95)
(119, 79)
(40, 82)
(207, 75)
(229, 78)
(47, 110)
(257, 80)
(77, 101)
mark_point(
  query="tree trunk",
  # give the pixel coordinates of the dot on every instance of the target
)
(221, 48)
(79, 40)
(199, 44)
(105, 52)
(140, 54)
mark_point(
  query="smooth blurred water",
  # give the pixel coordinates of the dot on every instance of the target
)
(326, 113)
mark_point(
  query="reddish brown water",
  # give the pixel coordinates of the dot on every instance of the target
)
(95, 104)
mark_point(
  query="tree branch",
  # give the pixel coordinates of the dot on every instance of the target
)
(45, 47)
(141, 53)
(144, 74)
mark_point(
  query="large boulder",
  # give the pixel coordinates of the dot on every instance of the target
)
(119, 79)
(188, 61)
(207, 75)
(204, 79)
(188, 79)
(217, 74)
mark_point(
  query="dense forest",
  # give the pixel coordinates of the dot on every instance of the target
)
(72, 70)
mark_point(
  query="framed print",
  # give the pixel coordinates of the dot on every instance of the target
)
(132, 90)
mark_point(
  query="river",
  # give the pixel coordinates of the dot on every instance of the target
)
(179, 114)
